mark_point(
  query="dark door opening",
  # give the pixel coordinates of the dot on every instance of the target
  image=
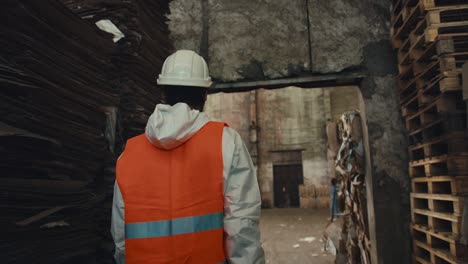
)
(286, 180)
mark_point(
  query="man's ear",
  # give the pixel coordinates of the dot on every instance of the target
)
(205, 96)
(163, 94)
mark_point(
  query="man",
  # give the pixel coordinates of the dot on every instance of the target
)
(186, 190)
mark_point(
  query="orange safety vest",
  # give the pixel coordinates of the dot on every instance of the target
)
(174, 200)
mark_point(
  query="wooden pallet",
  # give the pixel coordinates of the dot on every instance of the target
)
(425, 31)
(448, 224)
(416, 36)
(441, 185)
(447, 14)
(447, 66)
(425, 254)
(403, 56)
(443, 83)
(401, 10)
(408, 7)
(451, 143)
(426, 96)
(437, 14)
(451, 43)
(433, 75)
(440, 165)
(434, 30)
(445, 124)
(397, 7)
(397, 21)
(443, 45)
(411, 106)
(430, 112)
(406, 90)
(437, 129)
(405, 24)
(439, 4)
(445, 102)
(439, 203)
(452, 62)
(421, 51)
(406, 73)
(440, 241)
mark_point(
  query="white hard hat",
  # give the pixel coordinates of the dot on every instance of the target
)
(185, 68)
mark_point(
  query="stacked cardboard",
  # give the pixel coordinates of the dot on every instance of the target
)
(70, 98)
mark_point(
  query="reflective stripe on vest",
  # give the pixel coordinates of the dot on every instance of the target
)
(173, 200)
(172, 227)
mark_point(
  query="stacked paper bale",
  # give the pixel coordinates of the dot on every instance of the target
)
(65, 116)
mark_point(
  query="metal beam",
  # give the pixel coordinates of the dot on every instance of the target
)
(311, 81)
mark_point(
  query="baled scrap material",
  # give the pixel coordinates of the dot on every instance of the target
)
(139, 55)
(54, 74)
(69, 99)
(350, 167)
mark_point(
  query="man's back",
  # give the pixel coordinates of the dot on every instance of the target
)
(187, 177)
(174, 199)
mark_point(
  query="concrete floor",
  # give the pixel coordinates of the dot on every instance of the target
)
(294, 235)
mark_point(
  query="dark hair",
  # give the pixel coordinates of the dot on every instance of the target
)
(333, 181)
(195, 97)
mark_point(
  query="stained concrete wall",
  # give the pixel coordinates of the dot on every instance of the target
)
(290, 119)
(287, 119)
(237, 110)
(342, 100)
(280, 25)
(269, 38)
(265, 39)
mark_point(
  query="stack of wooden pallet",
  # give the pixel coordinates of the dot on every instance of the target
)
(431, 37)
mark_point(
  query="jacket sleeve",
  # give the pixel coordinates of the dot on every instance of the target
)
(118, 225)
(242, 203)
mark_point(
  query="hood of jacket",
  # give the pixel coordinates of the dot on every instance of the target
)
(171, 126)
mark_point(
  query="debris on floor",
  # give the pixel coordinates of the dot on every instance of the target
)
(308, 239)
(299, 245)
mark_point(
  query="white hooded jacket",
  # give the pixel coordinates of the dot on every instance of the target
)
(169, 127)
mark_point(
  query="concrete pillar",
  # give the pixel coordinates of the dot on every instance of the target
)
(263, 173)
(387, 178)
(327, 104)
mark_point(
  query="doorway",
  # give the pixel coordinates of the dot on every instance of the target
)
(286, 180)
(286, 130)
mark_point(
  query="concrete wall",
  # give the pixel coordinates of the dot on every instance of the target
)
(242, 53)
(343, 100)
(269, 38)
(287, 119)
(237, 110)
(265, 39)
